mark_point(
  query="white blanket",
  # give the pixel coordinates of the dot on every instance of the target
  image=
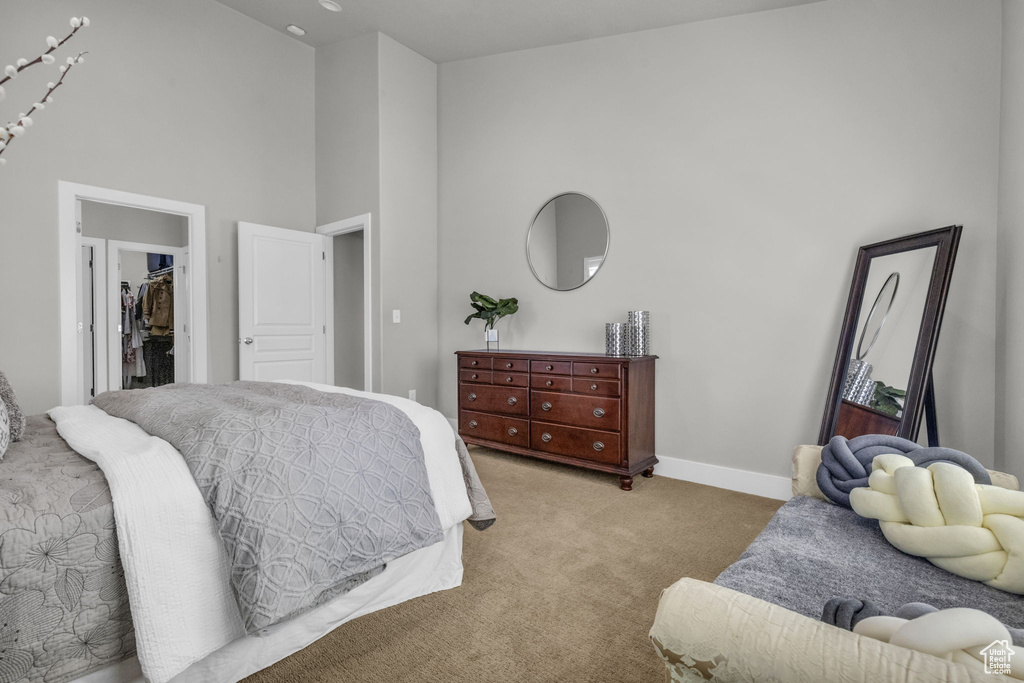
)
(175, 565)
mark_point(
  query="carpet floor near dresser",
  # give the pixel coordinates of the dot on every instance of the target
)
(563, 588)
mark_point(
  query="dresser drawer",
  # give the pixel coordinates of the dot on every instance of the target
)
(588, 444)
(600, 370)
(596, 387)
(508, 430)
(585, 411)
(511, 379)
(550, 382)
(494, 399)
(475, 362)
(478, 376)
(551, 367)
(511, 365)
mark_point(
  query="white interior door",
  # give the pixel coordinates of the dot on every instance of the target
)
(281, 304)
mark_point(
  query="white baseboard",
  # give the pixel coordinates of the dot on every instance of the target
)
(755, 483)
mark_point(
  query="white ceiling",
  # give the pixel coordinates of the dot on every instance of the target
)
(448, 30)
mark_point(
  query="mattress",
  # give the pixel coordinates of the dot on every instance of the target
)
(812, 551)
(63, 600)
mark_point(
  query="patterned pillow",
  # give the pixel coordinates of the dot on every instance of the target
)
(5, 430)
(14, 414)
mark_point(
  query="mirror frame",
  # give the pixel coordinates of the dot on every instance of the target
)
(946, 240)
(607, 241)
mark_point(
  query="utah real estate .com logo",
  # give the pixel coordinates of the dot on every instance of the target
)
(997, 657)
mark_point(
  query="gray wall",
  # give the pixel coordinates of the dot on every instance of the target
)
(348, 310)
(1010, 388)
(127, 224)
(186, 100)
(741, 162)
(348, 150)
(408, 220)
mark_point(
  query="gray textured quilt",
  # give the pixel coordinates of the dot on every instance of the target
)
(812, 551)
(63, 601)
(312, 492)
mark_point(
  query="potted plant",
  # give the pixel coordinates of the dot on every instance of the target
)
(491, 310)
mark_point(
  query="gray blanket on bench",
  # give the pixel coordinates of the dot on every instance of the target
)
(812, 551)
(313, 493)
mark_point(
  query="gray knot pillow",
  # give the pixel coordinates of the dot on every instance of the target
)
(14, 415)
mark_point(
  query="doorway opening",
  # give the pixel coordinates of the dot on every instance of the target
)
(133, 291)
(349, 302)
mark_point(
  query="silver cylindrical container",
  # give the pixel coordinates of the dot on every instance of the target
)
(856, 376)
(639, 339)
(615, 340)
(866, 392)
(639, 317)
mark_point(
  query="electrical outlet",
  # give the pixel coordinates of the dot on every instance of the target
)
(396, 316)
(412, 394)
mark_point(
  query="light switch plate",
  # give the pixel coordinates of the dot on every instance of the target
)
(412, 394)
(396, 316)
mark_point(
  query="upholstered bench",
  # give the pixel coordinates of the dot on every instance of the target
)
(760, 620)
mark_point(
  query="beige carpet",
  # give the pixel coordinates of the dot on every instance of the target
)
(563, 588)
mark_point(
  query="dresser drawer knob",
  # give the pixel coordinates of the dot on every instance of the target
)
(472, 397)
(598, 446)
(549, 368)
(472, 424)
(474, 363)
(593, 371)
(598, 412)
(508, 379)
(508, 365)
(593, 387)
(545, 406)
(548, 383)
(513, 431)
(545, 437)
(512, 400)
(475, 375)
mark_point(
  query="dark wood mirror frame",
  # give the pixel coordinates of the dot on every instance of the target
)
(946, 241)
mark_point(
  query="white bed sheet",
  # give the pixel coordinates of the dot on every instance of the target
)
(427, 570)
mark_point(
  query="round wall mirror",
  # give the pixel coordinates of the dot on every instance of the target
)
(879, 312)
(568, 241)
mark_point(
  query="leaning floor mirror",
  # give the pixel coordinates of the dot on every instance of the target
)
(881, 380)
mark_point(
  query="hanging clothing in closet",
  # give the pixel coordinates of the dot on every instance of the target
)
(132, 362)
(156, 311)
(158, 305)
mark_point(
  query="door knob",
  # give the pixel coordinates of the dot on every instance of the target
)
(247, 340)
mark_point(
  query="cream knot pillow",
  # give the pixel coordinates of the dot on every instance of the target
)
(939, 513)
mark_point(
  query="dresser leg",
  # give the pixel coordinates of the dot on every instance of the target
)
(649, 472)
(626, 483)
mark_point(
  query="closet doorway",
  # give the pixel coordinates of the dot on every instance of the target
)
(115, 246)
(145, 294)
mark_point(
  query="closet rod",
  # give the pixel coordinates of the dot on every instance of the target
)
(162, 271)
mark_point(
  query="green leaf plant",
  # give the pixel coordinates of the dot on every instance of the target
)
(887, 399)
(490, 310)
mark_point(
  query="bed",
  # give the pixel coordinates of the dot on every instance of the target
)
(111, 563)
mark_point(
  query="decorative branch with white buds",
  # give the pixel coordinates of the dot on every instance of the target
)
(17, 128)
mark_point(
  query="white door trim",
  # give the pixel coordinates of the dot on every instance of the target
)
(112, 290)
(354, 224)
(99, 284)
(69, 247)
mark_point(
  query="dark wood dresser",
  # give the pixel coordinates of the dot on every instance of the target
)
(587, 410)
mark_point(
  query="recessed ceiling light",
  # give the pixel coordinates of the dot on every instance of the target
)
(297, 30)
(331, 5)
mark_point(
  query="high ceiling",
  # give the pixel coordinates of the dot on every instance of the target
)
(449, 30)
